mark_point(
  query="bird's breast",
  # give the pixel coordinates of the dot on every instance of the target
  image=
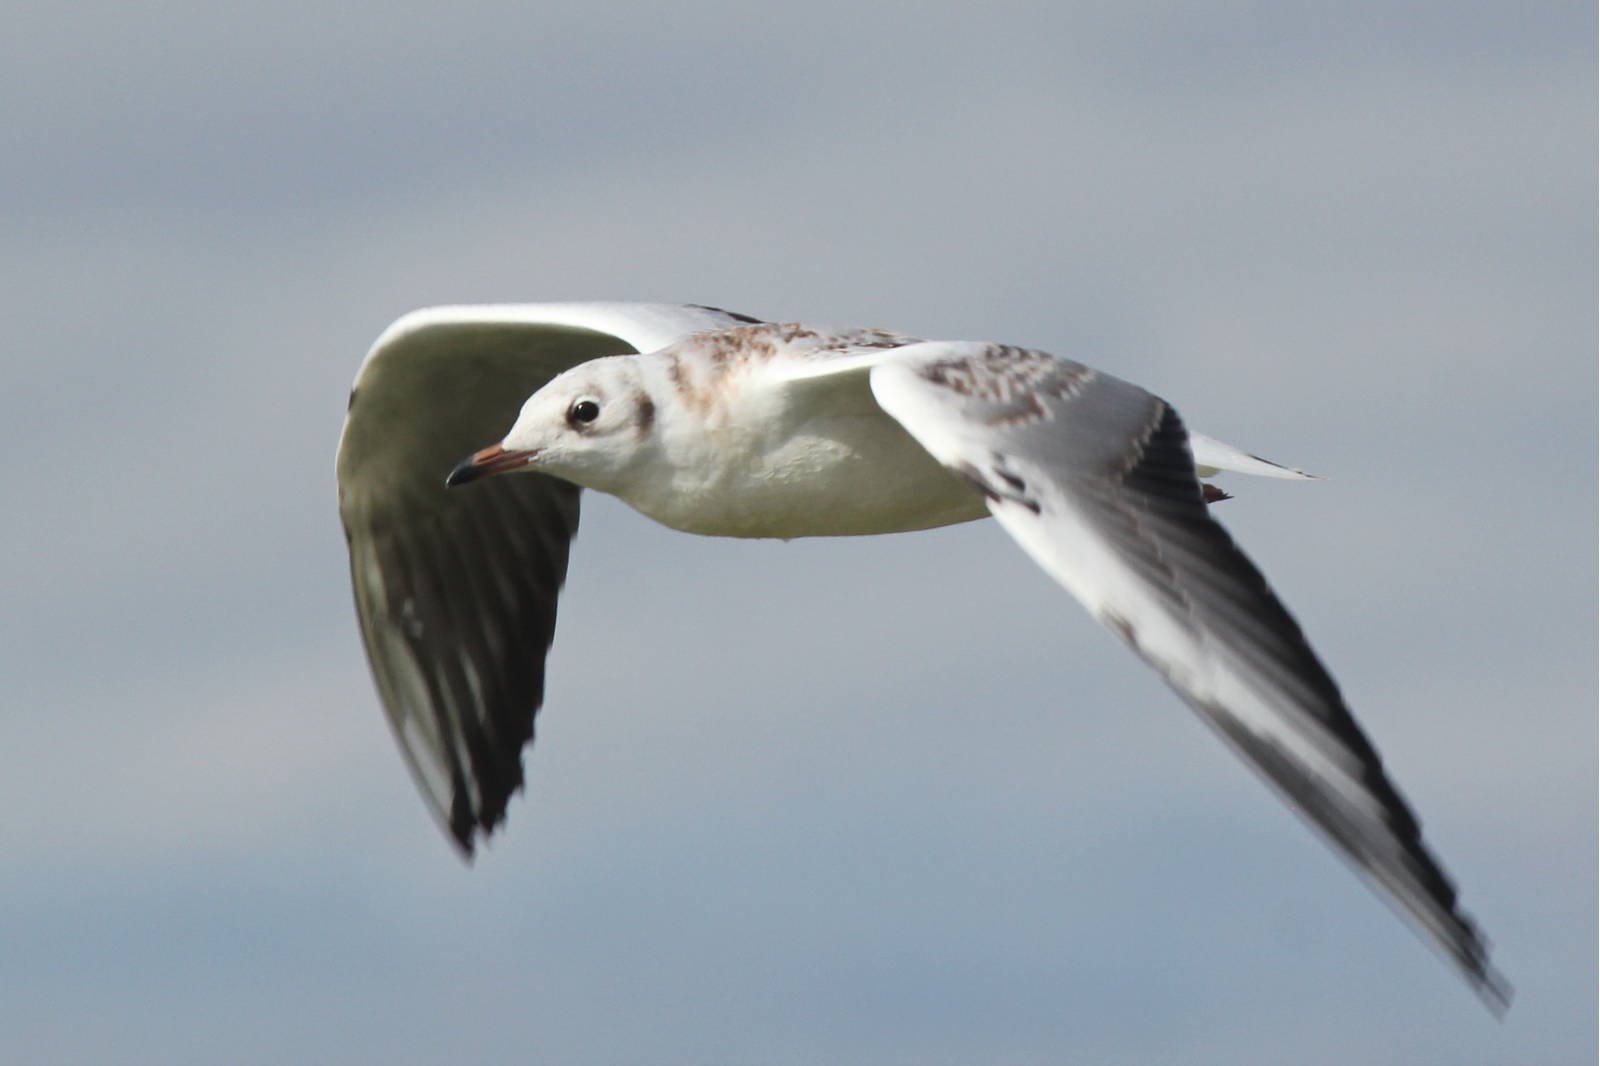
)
(851, 474)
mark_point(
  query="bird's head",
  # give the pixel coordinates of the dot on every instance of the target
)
(589, 425)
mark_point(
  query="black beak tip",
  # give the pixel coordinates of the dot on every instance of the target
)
(466, 470)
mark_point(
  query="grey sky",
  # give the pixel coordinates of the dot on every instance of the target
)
(885, 801)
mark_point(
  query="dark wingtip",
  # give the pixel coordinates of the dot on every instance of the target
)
(462, 829)
(463, 849)
(1496, 993)
(1489, 983)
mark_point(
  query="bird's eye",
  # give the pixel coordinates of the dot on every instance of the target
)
(583, 412)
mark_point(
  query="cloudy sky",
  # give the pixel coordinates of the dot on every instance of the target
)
(893, 800)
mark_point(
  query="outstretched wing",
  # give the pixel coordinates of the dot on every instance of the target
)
(1094, 477)
(456, 589)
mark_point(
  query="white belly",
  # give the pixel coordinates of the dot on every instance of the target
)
(851, 473)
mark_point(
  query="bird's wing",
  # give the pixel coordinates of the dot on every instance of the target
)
(1211, 456)
(1094, 477)
(456, 589)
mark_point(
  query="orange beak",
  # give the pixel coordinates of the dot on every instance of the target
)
(491, 460)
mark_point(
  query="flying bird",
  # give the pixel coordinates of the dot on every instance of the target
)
(722, 424)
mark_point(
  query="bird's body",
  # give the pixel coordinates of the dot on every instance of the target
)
(719, 424)
(722, 436)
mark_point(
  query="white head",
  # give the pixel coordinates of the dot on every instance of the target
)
(591, 425)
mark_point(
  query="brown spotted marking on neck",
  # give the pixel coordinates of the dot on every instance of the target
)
(741, 349)
(697, 393)
(644, 414)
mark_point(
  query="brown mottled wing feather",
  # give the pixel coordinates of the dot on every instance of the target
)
(456, 589)
(1095, 479)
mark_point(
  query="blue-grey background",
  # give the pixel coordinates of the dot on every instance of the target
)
(882, 801)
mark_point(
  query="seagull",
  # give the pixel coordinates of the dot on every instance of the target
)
(723, 424)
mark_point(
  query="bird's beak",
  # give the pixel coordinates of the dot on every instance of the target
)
(491, 460)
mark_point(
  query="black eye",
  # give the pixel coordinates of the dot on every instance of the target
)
(584, 411)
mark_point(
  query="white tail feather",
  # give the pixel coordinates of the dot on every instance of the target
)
(1212, 456)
